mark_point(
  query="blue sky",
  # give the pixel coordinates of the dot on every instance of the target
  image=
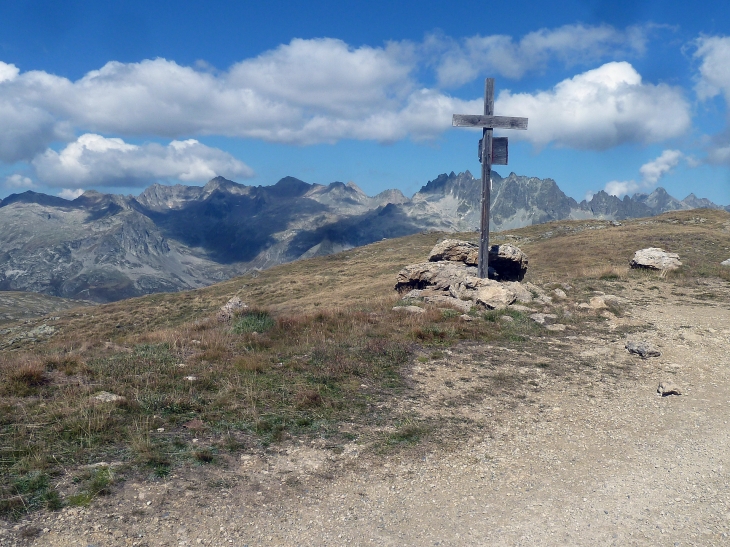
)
(622, 96)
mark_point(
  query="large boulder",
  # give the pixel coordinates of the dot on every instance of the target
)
(506, 262)
(654, 258)
(455, 250)
(433, 275)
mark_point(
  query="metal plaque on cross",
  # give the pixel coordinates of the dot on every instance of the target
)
(492, 151)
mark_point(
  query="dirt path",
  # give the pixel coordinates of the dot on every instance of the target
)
(595, 459)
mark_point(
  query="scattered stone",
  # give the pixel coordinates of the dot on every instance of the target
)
(485, 292)
(462, 305)
(466, 317)
(642, 349)
(506, 319)
(106, 397)
(542, 296)
(455, 250)
(494, 297)
(668, 387)
(654, 258)
(521, 308)
(191, 378)
(230, 308)
(557, 327)
(415, 293)
(560, 293)
(725, 263)
(543, 318)
(409, 309)
(597, 303)
(522, 295)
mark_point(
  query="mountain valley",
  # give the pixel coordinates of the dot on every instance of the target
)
(106, 247)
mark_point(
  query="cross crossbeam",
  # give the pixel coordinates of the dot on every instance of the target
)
(492, 122)
(492, 151)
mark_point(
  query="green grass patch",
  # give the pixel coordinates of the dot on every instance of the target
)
(28, 492)
(253, 321)
(94, 483)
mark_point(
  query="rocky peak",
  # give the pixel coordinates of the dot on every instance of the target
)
(224, 185)
(659, 200)
(693, 202)
(461, 184)
(34, 197)
(161, 197)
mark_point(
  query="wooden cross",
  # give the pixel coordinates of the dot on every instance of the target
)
(491, 151)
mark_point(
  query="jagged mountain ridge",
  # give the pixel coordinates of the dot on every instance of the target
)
(105, 247)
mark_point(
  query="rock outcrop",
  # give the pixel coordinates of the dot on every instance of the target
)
(450, 277)
(231, 308)
(654, 258)
(435, 275)
(506, 262)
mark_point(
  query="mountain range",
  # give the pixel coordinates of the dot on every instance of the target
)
(106, 247)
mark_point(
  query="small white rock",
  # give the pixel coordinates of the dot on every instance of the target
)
(106, 397)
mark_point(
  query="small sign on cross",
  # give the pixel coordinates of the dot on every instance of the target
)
(491, 151)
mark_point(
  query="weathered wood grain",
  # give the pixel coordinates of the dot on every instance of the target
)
(483, 259)
(490, 122)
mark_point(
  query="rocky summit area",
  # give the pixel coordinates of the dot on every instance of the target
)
(104, 247)
(586, 403)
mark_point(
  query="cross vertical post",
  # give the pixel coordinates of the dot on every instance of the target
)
(491, 151)
(486, 180)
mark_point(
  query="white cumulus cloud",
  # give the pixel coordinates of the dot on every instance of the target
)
(69, 194)
(19, 181)
(461, 62)
(714, 79)
(599, 109)
(651, 172)
(8, 71)
(324, 90)
(94, 160)
(621, 187)
(714, 70)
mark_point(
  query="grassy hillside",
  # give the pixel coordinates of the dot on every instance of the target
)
(319, 353)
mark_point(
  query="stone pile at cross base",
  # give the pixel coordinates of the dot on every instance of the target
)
(450, 277)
